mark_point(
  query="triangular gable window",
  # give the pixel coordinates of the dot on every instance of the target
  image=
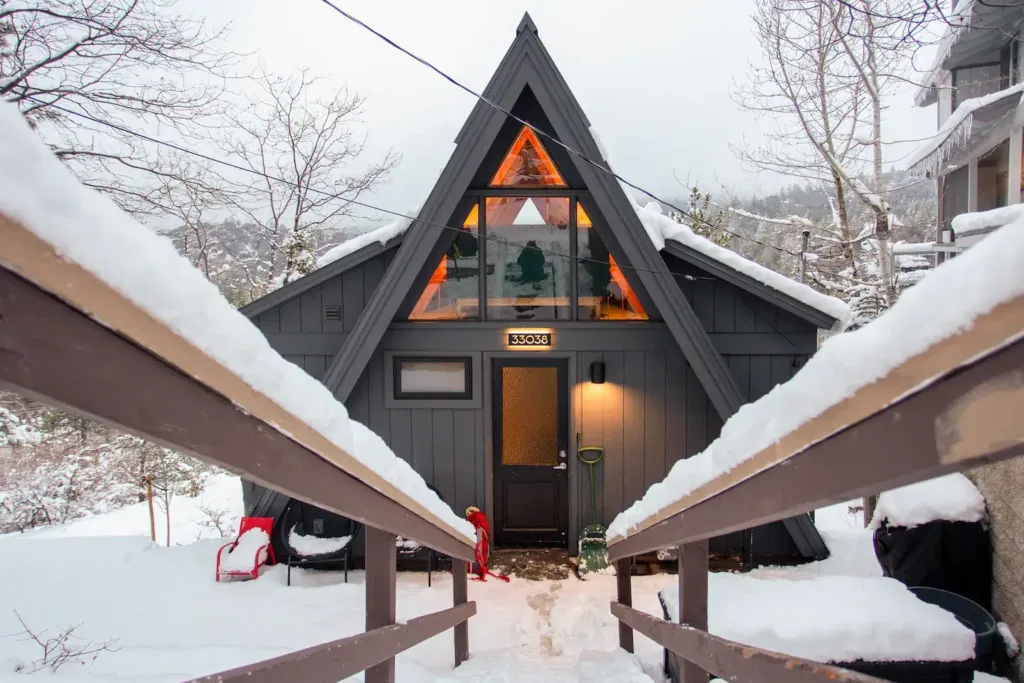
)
(453, 291)
(604, 292)
(527, 164)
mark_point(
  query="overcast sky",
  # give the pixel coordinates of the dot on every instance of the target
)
(653, 77)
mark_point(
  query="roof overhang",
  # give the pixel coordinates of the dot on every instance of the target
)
(974, 129)
(745, 282)
(975, 30)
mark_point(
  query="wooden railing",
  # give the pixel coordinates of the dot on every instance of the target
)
(134, 373)
(956, 406)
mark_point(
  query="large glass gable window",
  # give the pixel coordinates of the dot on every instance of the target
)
(539, 255)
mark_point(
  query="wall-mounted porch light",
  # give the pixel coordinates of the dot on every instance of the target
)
(597, 372)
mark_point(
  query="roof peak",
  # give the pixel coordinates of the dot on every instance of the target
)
(526, 24)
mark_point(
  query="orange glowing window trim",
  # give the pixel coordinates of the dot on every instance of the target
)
(510, 172)
(582, 219)
(627, 291)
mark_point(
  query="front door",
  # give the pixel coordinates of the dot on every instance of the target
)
(530, 410)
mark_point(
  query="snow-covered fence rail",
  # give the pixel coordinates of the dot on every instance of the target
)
(100, 316)
(952, 403)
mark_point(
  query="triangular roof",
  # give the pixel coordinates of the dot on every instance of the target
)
(527, 64)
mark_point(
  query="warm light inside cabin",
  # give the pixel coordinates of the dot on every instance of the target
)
(527, 164)
(620, 302)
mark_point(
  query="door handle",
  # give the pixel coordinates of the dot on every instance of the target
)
(560, 466)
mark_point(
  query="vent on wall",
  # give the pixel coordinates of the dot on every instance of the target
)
(332, 313)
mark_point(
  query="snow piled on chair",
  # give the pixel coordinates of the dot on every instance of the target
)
(951, 498)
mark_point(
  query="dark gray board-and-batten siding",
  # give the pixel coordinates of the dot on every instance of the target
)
(651, 412)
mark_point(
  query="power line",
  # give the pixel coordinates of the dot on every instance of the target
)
(397, 214)
(543, 133)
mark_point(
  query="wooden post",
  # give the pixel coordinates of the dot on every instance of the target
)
(625, 597)
(460, 594)
(693, 599)
(152, 515)
(380, 594)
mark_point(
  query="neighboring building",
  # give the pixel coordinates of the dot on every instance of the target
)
(533, 307)
(976, 86)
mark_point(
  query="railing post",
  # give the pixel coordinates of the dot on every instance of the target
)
(460, 593)
(380, 594)
(625, 597)
(693, 599)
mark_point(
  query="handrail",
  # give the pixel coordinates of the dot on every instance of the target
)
(38, 262)
(969, 417)
(732, 661)
(339, 659)
(989, 332)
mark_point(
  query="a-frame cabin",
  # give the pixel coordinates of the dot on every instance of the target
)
(528, 311)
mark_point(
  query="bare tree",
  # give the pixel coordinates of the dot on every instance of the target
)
(67, 64)
(297, 138)
(829, 68)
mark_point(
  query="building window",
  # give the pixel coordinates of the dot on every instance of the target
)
(604, 292)
(529, 267)
(433, 377)
(527, 164)
(975, 81)
(453, 291)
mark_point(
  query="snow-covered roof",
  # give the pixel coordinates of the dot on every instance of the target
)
(661, 228)
(952, 498)
(383, 235)
(940, 306)
(145, 271)
(830, 619)
(956, 132)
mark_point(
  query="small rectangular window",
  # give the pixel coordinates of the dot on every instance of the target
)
(443, 378)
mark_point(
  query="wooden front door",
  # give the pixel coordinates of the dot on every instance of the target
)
(530, 409)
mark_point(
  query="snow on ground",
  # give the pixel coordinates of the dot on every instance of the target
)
(983, 277)
(41, 193)
(951, 497)
(173, 621)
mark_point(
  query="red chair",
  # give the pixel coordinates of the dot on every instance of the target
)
(264, 554)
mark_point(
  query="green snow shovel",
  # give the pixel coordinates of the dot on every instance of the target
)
(593, 546)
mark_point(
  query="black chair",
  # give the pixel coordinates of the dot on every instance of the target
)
(411, 550)
(308, 520)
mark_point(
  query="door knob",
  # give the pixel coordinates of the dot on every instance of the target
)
(559, 466)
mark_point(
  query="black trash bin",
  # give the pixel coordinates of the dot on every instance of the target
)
(970, 614)
(951, 556)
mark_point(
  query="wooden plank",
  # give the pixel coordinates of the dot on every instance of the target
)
(352, 294)
(744, 316)
(675, 409)
(612, 467)
(312, 311)
(760, 376)
(270, 321)
(740, 368)
(381, 595)
(468, 454)
(379, 422)
(967, 418)
(624, 590)
(704, 303)
(696, 414)
(444, 453)
(423, 443)
(732, 661)
(346, 657)
(315, 365)
(693, 599)
(373, 273)
(460, 594)
(633, 397)
(105, 377)
(654, 417)
(291, 316)
(725, 308)
(593, 434)
(37, 262)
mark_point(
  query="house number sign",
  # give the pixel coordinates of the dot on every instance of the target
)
(533, 340)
